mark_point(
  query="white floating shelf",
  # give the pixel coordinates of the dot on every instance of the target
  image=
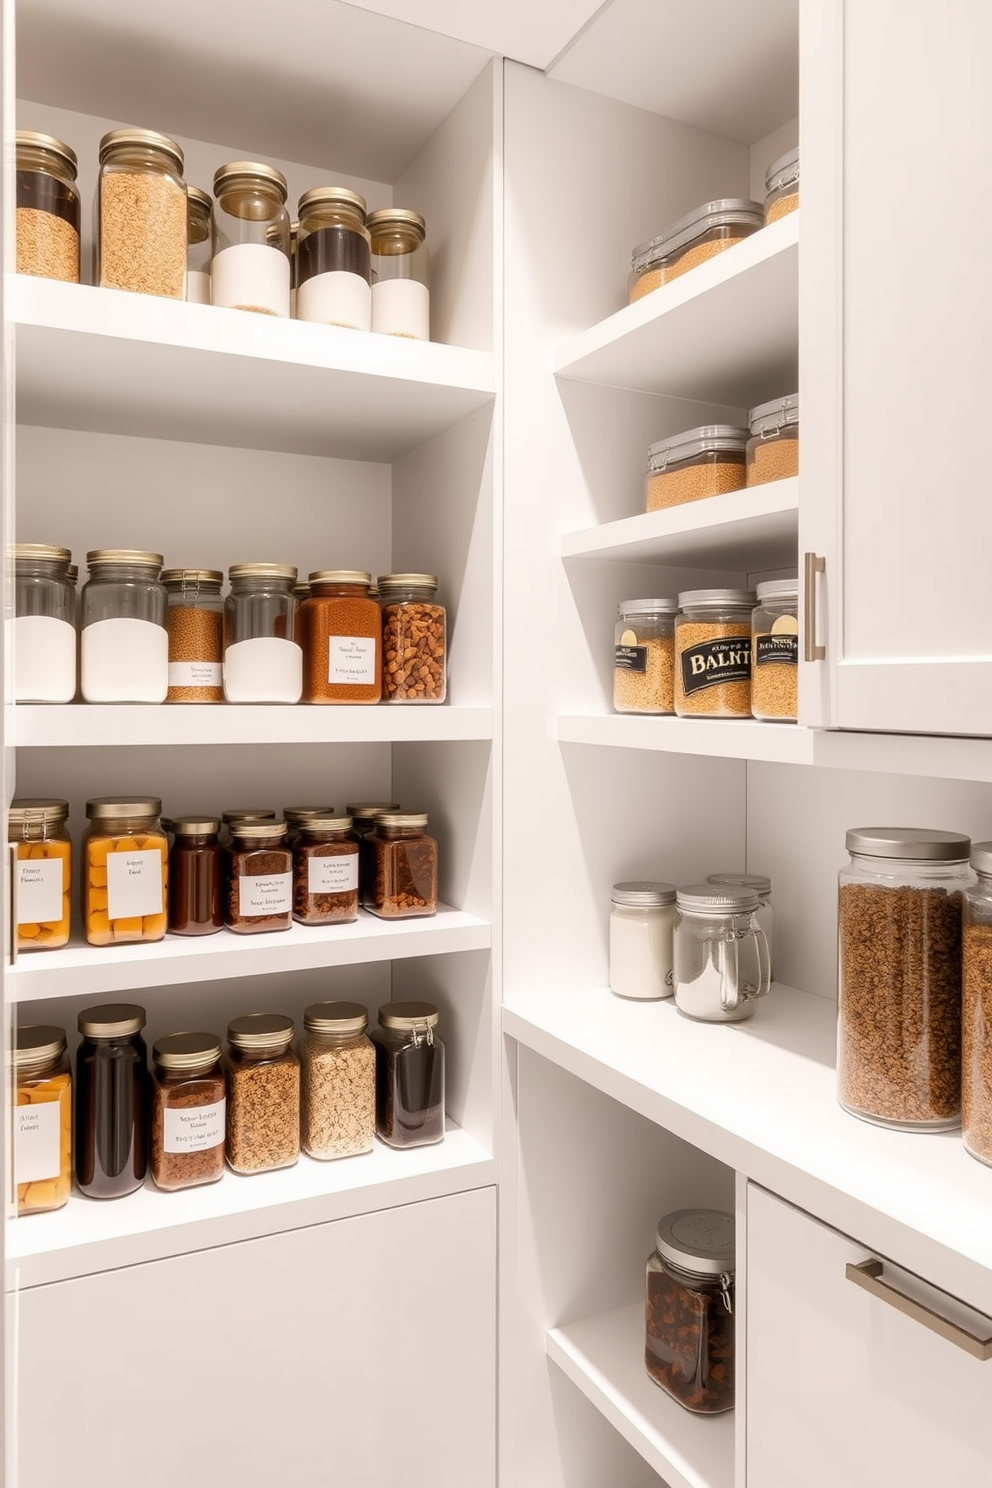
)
(106, 360)
(725, 738)
(726, 332)
(89, 1235)
(82, 970)
(604, 1357)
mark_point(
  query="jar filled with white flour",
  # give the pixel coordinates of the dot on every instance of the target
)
(44, 625)
(642, 929)
(250, 265)
(124, 647)
(400, 274)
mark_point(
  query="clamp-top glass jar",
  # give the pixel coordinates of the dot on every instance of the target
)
(775, 651)
(760, 884)
(124, 646)
(199, 247)
(773, 449)
(400, 273)
(111, 1137)
(713, 653)
(43, 885)
(41, 1145)
(342, 639)
(689, 1337)
(782, 186)
(337, 1066)
(334, 259)
(196, 635)
(976, 1008)
(701, 233)
(125, 870)
(414, 639)
(398, 867)
(409, 1075)
(250, 265)
(701, 462)
(44, 625)
(141, 207)
(47, 208)
(721, 955)
(262, 661)
(644, 656)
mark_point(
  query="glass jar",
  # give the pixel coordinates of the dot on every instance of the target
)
(325, 872)
(773, 449)
(262, 661)
(713, 653)
(409, 1075)
(642, 930)
(41, 1144)
(782, 186)
(250, 265)
(401, 274)
(334, 259)
(696, 237)
(337, 1068)
(195, 624)
(721, 955)
(342, 639)
(259, 878)
(644, 656)
(701, 462)
(47, 208)
(363, 815)
(294, 238)
(188, 1100)
(263, 1093)
(414, 639)
(760, 884)
(43, 885)
(141, 214)
(44, 625)
(196, 877)
(126, 870)
(976, 1008)
(689, 1307)
(899, 973)
(124, 646)
(111, 1139)
(199, 248)
(399, 867)
(775, 652)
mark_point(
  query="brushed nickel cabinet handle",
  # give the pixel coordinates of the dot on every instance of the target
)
(814, 564)
(868, 1274)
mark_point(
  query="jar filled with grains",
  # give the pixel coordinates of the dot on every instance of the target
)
(259, 878)
(976, 1010)
(196, 877)
(196, 635)
(125, 870)
(250, 265)
(199, 248)
(263, 1093)
(782, 186)
(263, 662)
(189, 1105)
(696, 237)
(111, 1131)
(43, 882)
(337, 1068)
(141, 208)
(47, 208)
(409, 1075)
(707, 461)
(342, 639)
(775, 651)
(713, 653)
(399, 867)
(414, 640)
(334, 259)
(325, 872)
(644, 656)
(124, 642)
(773, 449)
(44, 625)
(689, 1342)
(400, 273)
(899, 996)
(41, 1141)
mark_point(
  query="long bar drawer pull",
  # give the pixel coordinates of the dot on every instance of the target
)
(814, 564)
(868, 1274)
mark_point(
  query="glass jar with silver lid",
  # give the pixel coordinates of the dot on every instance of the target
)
(250, 265)
(701, 462)
(124, 644)
(773, 448)
(44, 625)
(689, 1299)
(642, 929)
(644, 656)
(721, 955)
(782, 186)
(694, 238)
(761, 884)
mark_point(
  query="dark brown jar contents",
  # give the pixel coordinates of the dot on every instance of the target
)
(409, 1075)
(325, 872)
(111, 1133)
(689, 1342)
(329, 250)
(399, 867)
(196, 877)
(188, 1126)
(260, 878)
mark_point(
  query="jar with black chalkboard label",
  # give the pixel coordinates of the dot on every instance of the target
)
(644, 656)
(713, 653)
(775, 652)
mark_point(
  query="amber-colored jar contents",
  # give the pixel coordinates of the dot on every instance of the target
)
(44, 872)
(363, 815)
(399, 867)
(196, 635)
(189, 1107)
(689, 1307)
(414, 639)
(342, 639)
(42, 1136)
(196, 877)
(325, 872)
(126, 870)
(263, 1093)
(47, 208)
(259, 878)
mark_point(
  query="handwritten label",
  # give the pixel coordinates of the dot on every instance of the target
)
(351, 660)
(134, 884)
(268, 895)
(36, 1142)
(39, 890)
(194, 1129)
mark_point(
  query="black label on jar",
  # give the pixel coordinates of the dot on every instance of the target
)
(777, 650)
(630, 658)
(713, 663)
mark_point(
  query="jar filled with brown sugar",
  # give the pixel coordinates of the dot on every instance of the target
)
(689, 1307)
(263, 1093)
(899, 965)
(644, 656)
(334, 259)
(414, 639)
(199, 249)
(195, 623)
(196, 877)
(782, 186)
(342, 639)
(141, 211)
(707, 461)
(399, 867)
(773, 449)
(325, 872)
(691, 241)
(47, 211)
(189, 1111)
(259, 878)
(775, 651)
(337, 1066)
(713, 653)
(976, 1009)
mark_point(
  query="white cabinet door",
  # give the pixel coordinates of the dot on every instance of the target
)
(896, 326)
(843, 1389)
(359, 1354)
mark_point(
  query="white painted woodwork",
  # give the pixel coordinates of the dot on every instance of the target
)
(514, 28)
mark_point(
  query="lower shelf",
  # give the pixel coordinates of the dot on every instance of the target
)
(604, 1357)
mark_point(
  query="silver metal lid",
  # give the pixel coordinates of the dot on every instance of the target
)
(768, 418)
(700, 1240)
(643, 893)
(711, 898)
(261, 1031)
(728, 211)
(759, 882)
(920, 844)
(698, 441)
(35, 1043)
(981, 857)
(409, 1015)
(777, 589)
(109, 808)
(647, 607)
(37, 810)
(783, 171)
(111, 1020)
(335, 1017)
(701, 599)
(194, 826)
(186, 1051)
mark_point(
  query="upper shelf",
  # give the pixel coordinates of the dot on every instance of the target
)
(726, 332)
(107, 361)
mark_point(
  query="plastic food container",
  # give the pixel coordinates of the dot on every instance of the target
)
(689, 1342)
(644, 656)
(782, 186)
(141, 202)
(707, 461)
(47, 208)
(250, 265)
(773, 449)
(775, 651)
(196, 635)
(694, 238)
(189, 1105)
(713, 653)
(400, 273)
(263, 1093)
(976, 1012)
(44, 872)
(414, 639)
(125, 870)
(42, 1128)
(337, 1066)
(409, 1075)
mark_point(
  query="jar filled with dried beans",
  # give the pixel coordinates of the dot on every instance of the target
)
(47, 207)
(325, 871)
(342, 639)
(689, 1336)
(43, 882)
(259, 878)
(334, 259)
(409, 1075)
(189, 1105)
(701, 462)
(414, 640)
(263, 661)
(263, 1093)
(976, 1009)
(400, 273)
(337, 1068)
(199, 250)
(694, 238)
(713, 653)
(399, 867)
(899, 965)
(773, 449)
(125, 870)
(782, 186)
(196, 877)
(41, 1141)
(644, 656)
(196, 635)
(141, 209)
(249, 269)
(775, 651)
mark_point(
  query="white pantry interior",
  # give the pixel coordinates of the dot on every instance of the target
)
(474, 1311)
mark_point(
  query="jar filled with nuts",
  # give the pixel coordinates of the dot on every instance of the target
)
(337, 1081)
(775, 651)
(195, 623)
(713, 653)
(773, 449)
(689, 1342)
(644, 656)
(325, 871)
(414, 641)
(141, 207)
(399, 867)
(263, 1093)
(707, 461)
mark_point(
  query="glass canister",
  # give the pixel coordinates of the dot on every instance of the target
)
(325, 872)
(342, 639)
(399, 867)
(263, 1093)
(363, 815)
(400, 273)
(713, 653)
(41, 1144)
(701, 462)
(721, 955)
(976, 1008)
(43, 885)
(334, 259)
(642, 934)
(775, 652)
(111, 1138)
(689, 1305)
(47, 208)
(694, 238)
(125, 870)
(189, 1104)
(259, 878)
(199, 247)
(196, 876)
(760, 884)
(124, 646)
(44, 625)
(337, 1091)
(262, 661)
(899, 968)
(773, 449)
(409, 1075)
(141, 214)
(782, 186)
(195, 624)
(644, 656)
(250, 265)
(414, 639)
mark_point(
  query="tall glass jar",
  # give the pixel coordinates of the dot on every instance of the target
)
(111, 1138)
(782, 186)
(689, 1305)
(188, 1111)
(721, 955)
(250, 265)
(342, 639)
(899, 965)
(642, 933)
(701, 462)
(399, 867)
(199, 247)
(262, 661)
(41, 1155)
(47, 208)
(263, 1093)
(141, 214)
(259, 878)
(44, 625)
(976, 1008)
(337, 1067)
(196, 635)
(713, 653)
(196, 877)
(325, 872)
(773, 449)
(414, 639)
(124, 645)
(409, 1075)
(333, 256)
(125, 870)
(775, 652)
(401, 274)
(43, 881)
(644, 656)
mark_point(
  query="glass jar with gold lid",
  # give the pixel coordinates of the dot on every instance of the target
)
(43, 882)
(196, 635)
(44, 625)
(124, 645)
(262, 661)
(42, 1136)
(47, 207)
(250, 266)
(199, 247)
(125, 870)
(400, 273)
(333, 259)
(141, 210)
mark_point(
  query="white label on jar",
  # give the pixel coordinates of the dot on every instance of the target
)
(195, 674)
(336, 875)
(39, 890)
(351, 659)
(125, 661)
(265, 670)
(195, 1128)
(336, 298)
(134, 885)
(44, 660)
(251, 276)
(401, 307)
(268, 895)
(37, 1142)
(198, 286)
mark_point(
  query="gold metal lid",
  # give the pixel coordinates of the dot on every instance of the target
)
(301, 590)
(122, 139)
(365, 809)
(407, 581)
(194, 826)
(199, 199)
(32, 140)
(248, 173)
(111, 1020)
(328, 823)
(262, 571)
(38, 809)
(247, 813)
(72, 573)
(384, 218)
(102, 808)
(136, 557)
(261, 1031)
(186, 1051)
(35, 1043)
(332, 196)
(341, 576)
(41, 553)
(335, 1017)
(301, 813)
(402, 818)
(409, 1015)
(190, 576)
(259, 831)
